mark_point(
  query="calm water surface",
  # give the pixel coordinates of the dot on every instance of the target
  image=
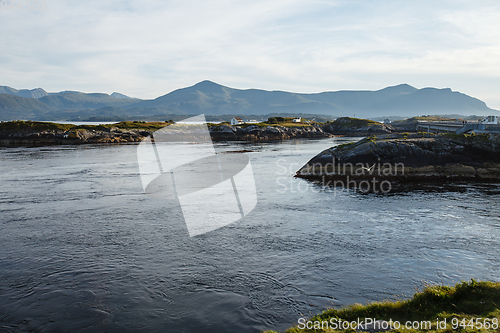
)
(82, 249)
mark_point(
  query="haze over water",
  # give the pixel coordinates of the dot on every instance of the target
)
(82, 248)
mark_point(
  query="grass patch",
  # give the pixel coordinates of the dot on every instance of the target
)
(282, 124)
(349, 122)
(467, 136)
(345, 146)
(291, 124)
(458, 305)
(35, 126)
(152, 125)
(350, 145)
(425, 118)
(278, 120)
(38, 126)
(245, 125)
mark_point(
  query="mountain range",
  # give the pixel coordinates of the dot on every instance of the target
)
(210, 98)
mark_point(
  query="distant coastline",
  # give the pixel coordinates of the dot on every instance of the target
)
(276, 128)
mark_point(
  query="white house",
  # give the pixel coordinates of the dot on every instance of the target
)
(297, 120)
(491, 120)
(236, 121)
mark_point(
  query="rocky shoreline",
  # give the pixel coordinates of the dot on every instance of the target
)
(38, 133)
(266, 133)
(409, 158)
(71, 137)
(117, 135)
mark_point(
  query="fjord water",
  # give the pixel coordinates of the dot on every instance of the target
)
(83, 249)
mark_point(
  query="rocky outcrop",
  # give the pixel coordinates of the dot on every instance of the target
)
(264, 133)
(117, 135)
(405, 126)
(356, 127)
(410, 158)
(72, 136)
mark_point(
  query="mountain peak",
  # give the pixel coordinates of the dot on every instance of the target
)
(119, 95)
(401, 88)
(207, 86)
(206, 82)
(33, 93)
(212, 98)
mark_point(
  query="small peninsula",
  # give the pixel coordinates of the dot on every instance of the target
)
(410, 157)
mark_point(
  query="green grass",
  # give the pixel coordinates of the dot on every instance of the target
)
(457, 304)
(150, 125)
(292, 124)
(282, 124)
(353, 122)
(467, 136)
(37, 126)
(278, 120)
(345, 146)
(351, 145)
(20, 125)
(425, 118)
(245, 125)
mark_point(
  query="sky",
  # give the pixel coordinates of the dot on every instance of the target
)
(149, 48)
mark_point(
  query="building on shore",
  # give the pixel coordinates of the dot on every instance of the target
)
(491, 120)
(236, 121)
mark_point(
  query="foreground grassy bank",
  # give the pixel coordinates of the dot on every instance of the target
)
(467, 307)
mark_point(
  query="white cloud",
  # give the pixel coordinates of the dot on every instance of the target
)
(148, 49)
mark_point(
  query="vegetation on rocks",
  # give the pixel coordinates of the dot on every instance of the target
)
(415, 156)
(265, 131)
(353, 126)
(34, 132)
(348, 122)
(20, 125)
(466, 307)
(426, 118)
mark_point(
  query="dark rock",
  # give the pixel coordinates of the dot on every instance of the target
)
(409, 158)
(355, 126)
(264, 133)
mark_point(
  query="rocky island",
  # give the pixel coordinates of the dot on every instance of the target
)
(409, 158)
(45, 133)
(357, 127)
(266, 132)
(276, 128)
(40, 133)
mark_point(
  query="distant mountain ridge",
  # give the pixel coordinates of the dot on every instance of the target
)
(33, 93)
(210, 98)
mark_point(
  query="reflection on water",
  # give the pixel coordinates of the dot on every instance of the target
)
(83, 249)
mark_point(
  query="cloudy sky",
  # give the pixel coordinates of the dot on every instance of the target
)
(148, 48)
